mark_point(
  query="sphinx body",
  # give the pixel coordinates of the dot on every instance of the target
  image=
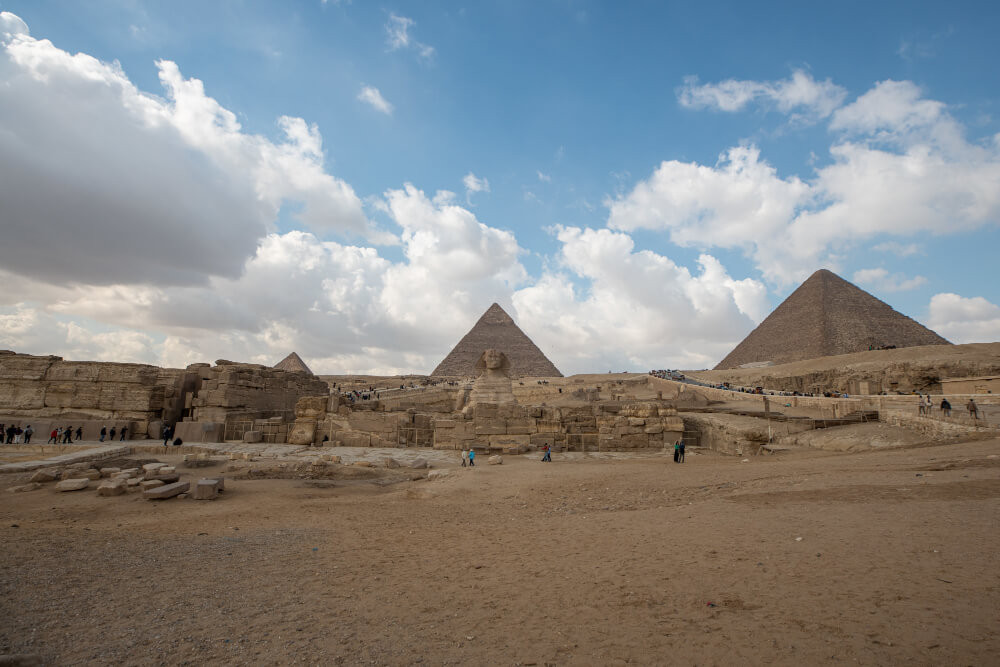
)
(493, 384)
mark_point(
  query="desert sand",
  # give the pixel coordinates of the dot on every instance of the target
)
(881, 557)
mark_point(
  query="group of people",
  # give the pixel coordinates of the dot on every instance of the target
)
(469, 458)
(13, 435)
(64, 435)
(679, 451)
(105, 433)
(925, 407)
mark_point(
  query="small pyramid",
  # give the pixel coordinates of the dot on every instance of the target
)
(825, 316)
(496, 330)
(293, 363)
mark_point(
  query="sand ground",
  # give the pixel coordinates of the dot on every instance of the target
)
(884, 557)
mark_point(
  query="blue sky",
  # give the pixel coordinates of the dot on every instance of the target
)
(637, 183)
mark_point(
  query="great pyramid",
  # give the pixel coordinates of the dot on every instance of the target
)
(825, 316)
(294, 363)
(496, 330)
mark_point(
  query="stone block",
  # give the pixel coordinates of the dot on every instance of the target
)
(30, 486)
(653, 429)
(505, 441)
(253, 436)
(542, 439)
(636, 421)
(548, 425)
(111, 487)
(491, 426)
(89, 473)
(73, 484)
(521, 426)
(134, 482)
(419, 464)
(44, 475)
(166, 491)
(166, 470)
(495, 460)
(151, 468)
(207, 489)
(166, 479)
(147, 484)
(109, 472)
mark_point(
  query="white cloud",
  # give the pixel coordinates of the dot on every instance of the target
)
(474, 184)
(964, 320)
(398, 36)
(544, 178)
(880, 279)
(101, 183)
(902, 167)
(639, 309)
(800, 94)
(371, 96)
(899, 249)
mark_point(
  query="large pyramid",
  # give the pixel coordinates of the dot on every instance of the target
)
(825, 316)
(294, 363)
(496, 330)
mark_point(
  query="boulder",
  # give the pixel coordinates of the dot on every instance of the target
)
(110, 472)
(111, 487)
(166, 491)
(419, 464)
(207, 489)
(151, 468)
(148, 484)
(30, 486)
(133, 482)
(389, 462)
(166, 479)
(44, 476)
(363, 464)
(166, 470)
(74, 484)
(438, 474)
(495, 460)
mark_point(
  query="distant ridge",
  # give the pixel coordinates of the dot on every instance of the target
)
(293, 363)
(825, 316)
(496, 330)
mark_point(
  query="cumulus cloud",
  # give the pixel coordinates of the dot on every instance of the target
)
(800, 94)
(101, 183)
(398, 36)
(901, 166)
(964, 320)
(637, 308)
(881, 280)
(372, 97)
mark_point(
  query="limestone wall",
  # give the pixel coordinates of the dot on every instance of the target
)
(48, 389)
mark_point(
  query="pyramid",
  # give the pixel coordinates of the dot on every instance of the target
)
(496, 330)
(293, 363)
(825, 316)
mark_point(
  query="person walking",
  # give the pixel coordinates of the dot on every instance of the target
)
(973, 409)
(472, 458)
(548, 454)
(68, 434)
(104, 433)
(465, 457)
(920, 405)
(113, 431)
(18, 432)
(681, 454)
(124, 433)
(945, 407)
(54, 436)
(677, 451)
(28, 432)
(167, 432)
(79, 432)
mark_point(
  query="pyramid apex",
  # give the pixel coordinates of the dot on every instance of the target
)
(293, 363)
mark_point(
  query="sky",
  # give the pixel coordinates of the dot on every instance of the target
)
(637, 184)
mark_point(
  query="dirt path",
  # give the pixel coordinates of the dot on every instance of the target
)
(573, 563)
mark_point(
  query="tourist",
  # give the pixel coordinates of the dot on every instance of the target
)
(945, 407)
(18, 432)
(921, 406)
(10, 434)
(465, 457)
(27, 434)
(79, 433)
(973, 409)
(677, 451)
(104, 433)
(124, 432)
(681, 441)
(167, 432)
(548, 454)
(472, 457)
(113, 431)
(54, 436)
